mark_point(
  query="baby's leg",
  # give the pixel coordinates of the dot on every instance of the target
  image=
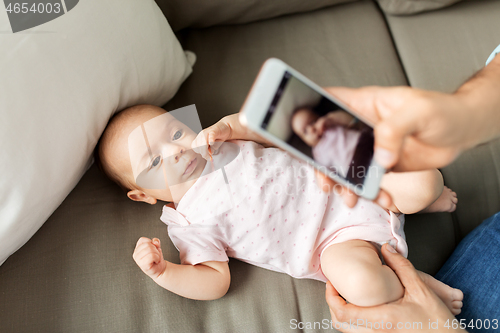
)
(411, 192)
(355, 270)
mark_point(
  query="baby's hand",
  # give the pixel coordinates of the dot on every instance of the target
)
(341, 118)
(212, 137)
(149, 258)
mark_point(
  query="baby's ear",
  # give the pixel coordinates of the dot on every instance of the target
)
(137, 195)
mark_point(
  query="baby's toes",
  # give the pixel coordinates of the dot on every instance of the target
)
(457, 304)
(456, 307)
(457, 295)
(452, 207)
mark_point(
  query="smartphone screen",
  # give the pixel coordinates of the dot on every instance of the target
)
(315, 125)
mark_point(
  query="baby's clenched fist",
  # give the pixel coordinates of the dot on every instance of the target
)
(149, 258)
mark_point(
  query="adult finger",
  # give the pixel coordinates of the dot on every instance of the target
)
(390, 135)
(403, 268)
(326, 184)
(384, 108)
(342, 312)
(360, 100)
(419, 156)
(333, 297)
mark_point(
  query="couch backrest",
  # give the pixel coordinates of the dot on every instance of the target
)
(408, 7)
(204, 13)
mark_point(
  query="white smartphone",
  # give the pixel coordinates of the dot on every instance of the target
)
(297, 115)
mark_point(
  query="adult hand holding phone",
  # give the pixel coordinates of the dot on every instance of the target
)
(414, 129)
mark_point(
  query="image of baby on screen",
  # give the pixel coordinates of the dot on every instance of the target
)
(339, 141)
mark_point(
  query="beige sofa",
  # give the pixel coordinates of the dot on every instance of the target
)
(77, 273)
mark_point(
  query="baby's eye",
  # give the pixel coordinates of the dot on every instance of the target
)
(177, 135)
(155, 161)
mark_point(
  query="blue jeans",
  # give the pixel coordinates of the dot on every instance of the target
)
(474, 268)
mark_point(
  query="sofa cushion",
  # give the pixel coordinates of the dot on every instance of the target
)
(407, 7)
(202, 13)
(442, 49)
(61, 81)
(475, 176)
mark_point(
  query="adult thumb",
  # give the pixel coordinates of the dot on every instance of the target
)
(390, 134)
(403, 268)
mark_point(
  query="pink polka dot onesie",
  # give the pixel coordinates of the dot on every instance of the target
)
(263, 206)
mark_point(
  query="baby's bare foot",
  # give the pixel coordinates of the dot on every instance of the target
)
(451, 297)
(447, 202)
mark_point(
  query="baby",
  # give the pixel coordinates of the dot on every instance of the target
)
(335, 139)
(238, 199)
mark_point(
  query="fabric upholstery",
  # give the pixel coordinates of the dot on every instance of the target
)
(201, 13)
(408, 7)
(461, 39)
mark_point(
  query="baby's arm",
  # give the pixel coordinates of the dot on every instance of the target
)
(228, 128)
(205, 281)
(240, 132)
(338, 117)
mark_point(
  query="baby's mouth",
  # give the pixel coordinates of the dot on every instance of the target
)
(190, 167)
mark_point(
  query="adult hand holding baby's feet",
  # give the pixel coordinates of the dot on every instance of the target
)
(211, 137)
(149, 257)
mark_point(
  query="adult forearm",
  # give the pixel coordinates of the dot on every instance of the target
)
(481, 100)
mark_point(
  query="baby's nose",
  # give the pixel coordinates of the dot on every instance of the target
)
(178, 155)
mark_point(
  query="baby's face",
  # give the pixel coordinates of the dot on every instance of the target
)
(303, 124)
(163, 163)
